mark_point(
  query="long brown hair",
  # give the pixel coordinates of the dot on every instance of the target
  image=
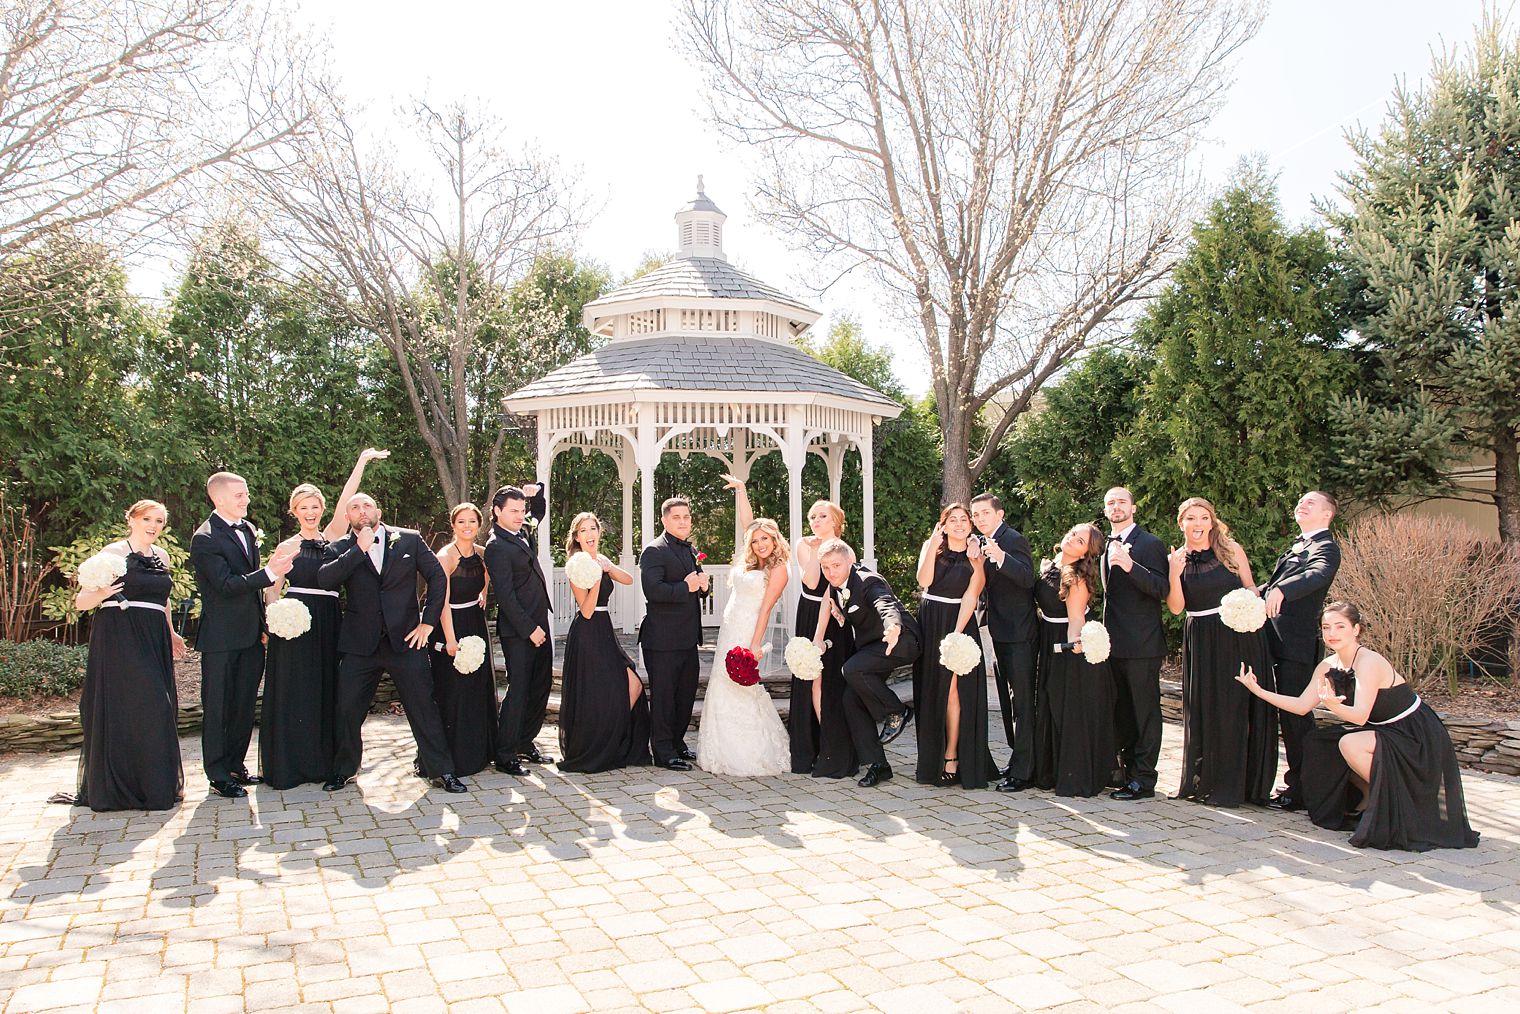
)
(572, 543)
(1085, 569)
(1220, 541)
(944, 514)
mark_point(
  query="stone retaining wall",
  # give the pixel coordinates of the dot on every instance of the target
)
(1480, 744)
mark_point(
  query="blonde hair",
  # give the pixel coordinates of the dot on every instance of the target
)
(746, 553)
(1220, 541)
(835, 511)
(480, 518)
(142, 507)
(303, 491)
(572, 542)
(834, 547)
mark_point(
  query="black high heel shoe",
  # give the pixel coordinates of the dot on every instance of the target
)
(947, 777)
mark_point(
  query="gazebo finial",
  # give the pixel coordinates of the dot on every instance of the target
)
(700, 191)
(699, 226)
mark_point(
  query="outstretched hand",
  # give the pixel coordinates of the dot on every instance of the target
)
(1247, 678)
(732, 481)
(417, 639)
(372, 454)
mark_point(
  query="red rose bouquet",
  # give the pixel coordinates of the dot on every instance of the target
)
(742, 667)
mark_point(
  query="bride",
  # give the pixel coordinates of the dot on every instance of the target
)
(740, 732)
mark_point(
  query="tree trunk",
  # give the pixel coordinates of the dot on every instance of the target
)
(955, 427)
(1507, 484)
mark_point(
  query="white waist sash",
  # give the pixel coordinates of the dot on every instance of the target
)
(1203, 612)
(311, 591)
(1050, 619)
(941, 598)
(464, 605)
(812, 598)
(130, 604)
(1403, 714)
(602, 609)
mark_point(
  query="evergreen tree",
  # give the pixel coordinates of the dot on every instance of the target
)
(1432, 250)
(1247, 361)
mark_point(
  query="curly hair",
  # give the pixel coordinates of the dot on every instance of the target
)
(746, 552)
(1220, 541)
(1085, 569)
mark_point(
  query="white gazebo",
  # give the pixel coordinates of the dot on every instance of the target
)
(700, 359)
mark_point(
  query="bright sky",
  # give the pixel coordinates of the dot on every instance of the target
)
(601, 86)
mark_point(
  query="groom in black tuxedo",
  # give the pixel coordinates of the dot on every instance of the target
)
(1294, 595)
(1135, 581)
(673, 583)
(384, 632)
(224, 553)
(522, 624)
(886, 638)
(1013, 625)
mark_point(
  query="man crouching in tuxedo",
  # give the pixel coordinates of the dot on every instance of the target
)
(384, 632)
(886, 638)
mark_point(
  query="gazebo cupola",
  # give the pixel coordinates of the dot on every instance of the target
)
(701, 358)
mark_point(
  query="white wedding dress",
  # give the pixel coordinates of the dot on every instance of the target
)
(740, 733)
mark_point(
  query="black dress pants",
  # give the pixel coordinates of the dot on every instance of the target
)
(1016, 700)
(229, 691)
(868, 701)
(1292, 678)
(410, 670)
(530, 677)
(1137, 717)
(672, 695)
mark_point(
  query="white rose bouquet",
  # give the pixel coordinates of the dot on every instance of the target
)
(102, 571)
(471, 655)
(288, 618)
(959, 653)
(1243, 611)
(583, 571)
(804, 659)
(1095, 643)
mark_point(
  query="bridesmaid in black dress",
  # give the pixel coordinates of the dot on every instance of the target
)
(129, 759)
(297, 730)
(1229, 738)
(604, 712)
(951, 709)
(820, 739)
(466, 701)
(1074, 717)
(1391, 778)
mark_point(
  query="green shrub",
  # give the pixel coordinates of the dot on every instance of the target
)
(39, 668)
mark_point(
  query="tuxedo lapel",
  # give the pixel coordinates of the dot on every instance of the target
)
(235, 537)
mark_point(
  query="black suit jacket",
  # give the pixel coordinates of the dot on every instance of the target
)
(672, 612)
(229, 582)
(1304, 579)
(522, 592)
(1132, 601)
(1009, 594)
(871, 607)
(384, 603)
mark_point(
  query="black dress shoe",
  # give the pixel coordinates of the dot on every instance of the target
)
(1011, 784)
(512, 767)
(1133, 791)
(875, 774)
(893, 727)
(1285, 801)
(685, 754)
(334, 784)
(677, 764)
(232, 790)
(417, 770)
(448, 783)
(532, 756)
(244, 778)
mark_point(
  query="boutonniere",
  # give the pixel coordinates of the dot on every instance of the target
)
(258, 536)
(531, 522)
(844, 596)
(393, 537)
(700, 557)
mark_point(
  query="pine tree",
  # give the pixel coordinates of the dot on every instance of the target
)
(1432, 248)
(1246, 342)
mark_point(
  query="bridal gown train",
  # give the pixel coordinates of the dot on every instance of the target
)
(740, 733)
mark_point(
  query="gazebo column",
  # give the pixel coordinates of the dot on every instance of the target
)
(838, 447)
(545, 463)
(868, 500)
(794, 454)
(628, 471)
(646, 453)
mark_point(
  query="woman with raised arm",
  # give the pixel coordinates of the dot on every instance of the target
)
(1391, 778)
(337, 525)
(129, 757)
(740, 732)
(1229, 739)
(820, 739)
(951, 709)
(604, 712)
(1074, 716)
(466, 701)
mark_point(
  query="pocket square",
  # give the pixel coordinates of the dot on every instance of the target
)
(406, 556)
(853, 609)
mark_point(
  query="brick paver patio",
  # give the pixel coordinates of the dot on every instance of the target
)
(654, 890)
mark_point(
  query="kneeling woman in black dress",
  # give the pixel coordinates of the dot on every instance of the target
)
(1394, 784)
(129, 759)
(603, 714)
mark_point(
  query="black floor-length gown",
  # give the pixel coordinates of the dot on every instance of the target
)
(129, 759)
(467, 701)
(821, 744)
(1229, 735)
(1074, 723)
(1415, 801)
(297, 723)
(936, 618)
(598, 731)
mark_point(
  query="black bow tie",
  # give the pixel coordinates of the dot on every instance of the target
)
(242, 526)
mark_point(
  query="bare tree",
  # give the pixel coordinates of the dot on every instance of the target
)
(1015, 171)
(423, 268)
(110, 108)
